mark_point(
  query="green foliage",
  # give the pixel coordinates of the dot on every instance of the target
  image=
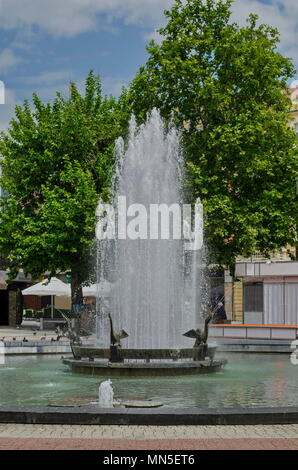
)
(222, 84)
(57, 160)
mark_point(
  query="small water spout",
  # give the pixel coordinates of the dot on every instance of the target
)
(106, 394)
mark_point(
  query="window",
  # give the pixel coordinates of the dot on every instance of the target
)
(253, 297)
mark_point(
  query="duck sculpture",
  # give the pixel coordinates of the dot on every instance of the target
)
(200, 336)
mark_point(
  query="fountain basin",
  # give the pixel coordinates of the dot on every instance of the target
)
(144, 362)
(144, 369)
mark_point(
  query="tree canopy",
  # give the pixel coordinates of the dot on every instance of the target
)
(223, 86)
(57, 160)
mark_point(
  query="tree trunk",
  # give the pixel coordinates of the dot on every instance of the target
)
(76, 292)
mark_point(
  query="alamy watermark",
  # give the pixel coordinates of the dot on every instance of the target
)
(153, 222)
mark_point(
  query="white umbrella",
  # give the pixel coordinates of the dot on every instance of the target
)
(102, 289)
(46, 287)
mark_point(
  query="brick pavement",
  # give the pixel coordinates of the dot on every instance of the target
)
(149, 444)
(78, 437)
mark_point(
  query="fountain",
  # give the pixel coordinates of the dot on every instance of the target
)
(106, 394)
(153, 255)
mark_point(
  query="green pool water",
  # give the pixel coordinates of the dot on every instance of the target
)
(248, 380)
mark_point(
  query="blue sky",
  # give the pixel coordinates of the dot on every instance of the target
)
(47, 43)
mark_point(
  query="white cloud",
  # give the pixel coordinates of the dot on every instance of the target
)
(8, 60)
(47, 78)
(113, 86)
(153, 35)
(70, 17)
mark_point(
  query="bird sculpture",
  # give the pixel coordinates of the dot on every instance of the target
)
(200, 336)
(116, 337)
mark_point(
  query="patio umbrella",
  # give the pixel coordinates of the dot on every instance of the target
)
(52, 288)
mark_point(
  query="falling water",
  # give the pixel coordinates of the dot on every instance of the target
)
(155, 293)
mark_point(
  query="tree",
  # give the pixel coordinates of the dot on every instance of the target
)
(222, 84)
(57, 160)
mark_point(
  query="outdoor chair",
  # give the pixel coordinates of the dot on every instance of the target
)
(28, 313)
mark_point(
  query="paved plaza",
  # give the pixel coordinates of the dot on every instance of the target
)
(78, 437)
(31, 332)
(29, 329)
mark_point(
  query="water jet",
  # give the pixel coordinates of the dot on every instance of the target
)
(155, 265)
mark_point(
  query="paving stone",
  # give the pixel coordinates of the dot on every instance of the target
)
(233, 433)
(149, 444)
